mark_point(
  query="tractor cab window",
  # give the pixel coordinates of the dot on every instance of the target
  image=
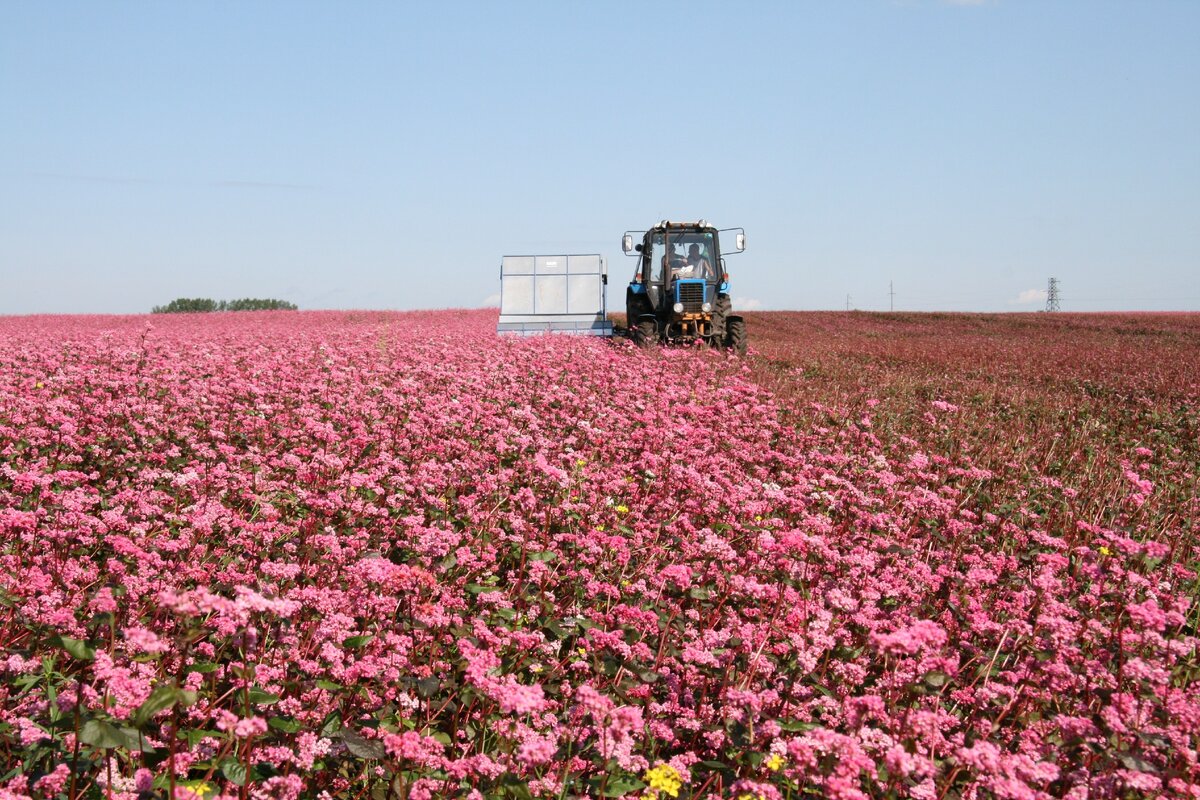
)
(687, 254)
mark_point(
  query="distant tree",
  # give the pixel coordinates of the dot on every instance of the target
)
(187, 305)
(255, 304)
(192, 305)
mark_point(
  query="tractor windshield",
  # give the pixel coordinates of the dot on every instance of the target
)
(682, 254)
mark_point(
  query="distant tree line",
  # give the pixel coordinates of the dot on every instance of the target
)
(191, 305)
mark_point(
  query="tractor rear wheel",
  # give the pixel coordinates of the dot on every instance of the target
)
(735, 336)
(646, 333)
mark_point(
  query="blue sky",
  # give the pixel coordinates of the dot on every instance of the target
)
(386, 155)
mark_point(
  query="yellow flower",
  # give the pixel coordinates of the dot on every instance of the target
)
(582, 462)
(622, 509)
(202, 789)
(664, 778)
(1104, 551)
(758, 517)
(40, 384)
(775, 762)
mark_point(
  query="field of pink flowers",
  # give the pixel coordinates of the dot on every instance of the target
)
(372, 555)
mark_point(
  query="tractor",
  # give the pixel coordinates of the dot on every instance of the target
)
(679, 293)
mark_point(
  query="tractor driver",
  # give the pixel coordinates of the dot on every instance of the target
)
(699, 264)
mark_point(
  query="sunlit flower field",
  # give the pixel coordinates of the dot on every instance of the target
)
(373, 555)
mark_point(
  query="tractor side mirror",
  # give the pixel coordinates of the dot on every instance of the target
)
(627, 243)
(739, 242)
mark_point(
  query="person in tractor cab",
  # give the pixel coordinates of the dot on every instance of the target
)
(697, 263)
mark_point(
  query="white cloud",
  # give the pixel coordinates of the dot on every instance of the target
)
(491, 301)
(747, 304)
(1030, 296)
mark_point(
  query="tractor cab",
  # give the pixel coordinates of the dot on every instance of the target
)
(679, 291)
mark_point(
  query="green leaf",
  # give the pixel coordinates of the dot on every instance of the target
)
(936, 679)
(196, 735)
(234, 771)
(825, 690)
(329, 686)
(619, 786)
(355, 642)
(793, 725)
(162, 698)
(203, 667)
(699, 593)
(1137, 764)
(449, 562)
(261, 697)
(362, 747)
(99, 733)
(427, 686)
(285, 724)
(332, 724)
(475, 588)
(75, 647)
(545, 555)
(137, 740)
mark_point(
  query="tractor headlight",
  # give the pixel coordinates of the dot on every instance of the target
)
(707, 307)
(678, 308)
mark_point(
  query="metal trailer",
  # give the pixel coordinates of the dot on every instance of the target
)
(554, 294)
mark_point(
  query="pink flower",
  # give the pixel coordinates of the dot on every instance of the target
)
(915, 638)
(54, 782)
(412, 746)
(251, 726)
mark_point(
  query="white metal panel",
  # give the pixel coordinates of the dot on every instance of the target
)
(580, 265)
(516, 295)
(516, 265)
(583, 294)
(551, 294)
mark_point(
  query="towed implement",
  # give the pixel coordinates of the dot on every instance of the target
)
(680, 291)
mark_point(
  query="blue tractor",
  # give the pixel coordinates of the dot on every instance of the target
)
(679, 293)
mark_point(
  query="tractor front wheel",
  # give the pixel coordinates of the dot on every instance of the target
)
(724, 309)
(645, 335)
(735, 336)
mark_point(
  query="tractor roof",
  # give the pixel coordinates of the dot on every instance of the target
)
(667, 224)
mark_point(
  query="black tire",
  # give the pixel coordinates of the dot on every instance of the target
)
(735, 335)
(646, 333)
(720, 313)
